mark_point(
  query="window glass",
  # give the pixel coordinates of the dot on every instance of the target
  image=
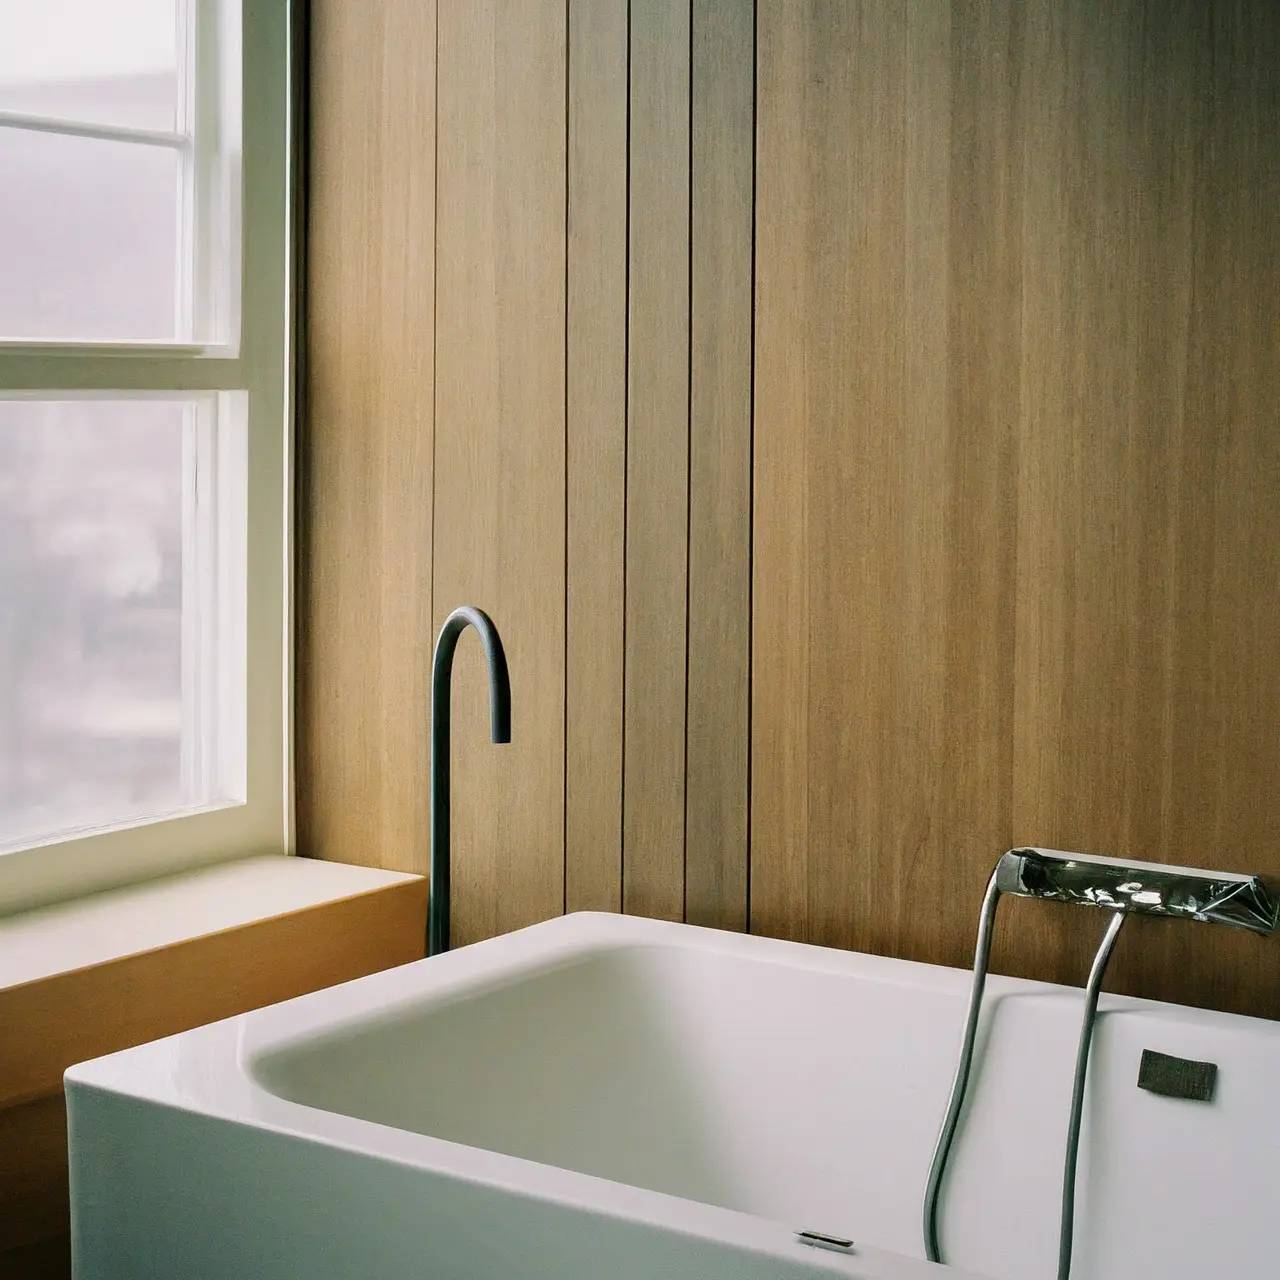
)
(88, 238)
(98, 549)
(111, 62)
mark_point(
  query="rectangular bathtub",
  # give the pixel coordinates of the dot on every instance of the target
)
(607, 1096)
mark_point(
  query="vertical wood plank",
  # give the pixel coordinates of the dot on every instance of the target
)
(883, 495)
(1225, 724)
(597, 452)
(657, 461)
(781, 617)
(500, 442)
(876, 481)
(1083, 547)
(365, 452)
(723, 96)
(1149, 530)
(982, 132)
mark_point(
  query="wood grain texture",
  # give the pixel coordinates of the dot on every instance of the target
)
(596, 459)
(34, 1203)
(365, 454)
(56, 1021)
(719, 627)
(883, 497)
(657, 462)
(1149, 519)
(1015, 480)
(1017, 470)
(781, 615)
(982, 132)
(500, 443)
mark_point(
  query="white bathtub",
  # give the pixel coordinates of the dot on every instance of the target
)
(605, 1096)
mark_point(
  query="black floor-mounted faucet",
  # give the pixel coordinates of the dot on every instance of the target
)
(499, 731)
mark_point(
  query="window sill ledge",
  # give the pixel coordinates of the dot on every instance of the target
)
(85, 978)
(56, 940)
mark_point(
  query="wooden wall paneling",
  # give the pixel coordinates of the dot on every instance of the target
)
(59, 1020)
(34, 1203)
(364, 562)
(596, 460)
(500, 443)
(1015, 523)
(1149, 529)
(883, 476)
(657, 461)
(980, 234)
(717, 749)
(876, 485)
(1226, 722)
(781, 620)
(1091, 601)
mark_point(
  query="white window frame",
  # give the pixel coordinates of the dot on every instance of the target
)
(240, 331)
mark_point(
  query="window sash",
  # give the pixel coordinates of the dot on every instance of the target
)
(256, 305)
(207, 141)
(213, 478)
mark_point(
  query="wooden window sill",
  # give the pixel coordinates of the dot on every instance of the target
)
(88, 977)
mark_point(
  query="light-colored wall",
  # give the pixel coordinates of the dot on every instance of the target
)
(862, 421)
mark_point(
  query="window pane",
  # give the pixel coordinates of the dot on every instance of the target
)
(97, 61)
(95, 558)
(88, 238)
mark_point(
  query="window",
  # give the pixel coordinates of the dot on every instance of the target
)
(144, 178)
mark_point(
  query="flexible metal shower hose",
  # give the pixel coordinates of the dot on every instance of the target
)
(946, 1136)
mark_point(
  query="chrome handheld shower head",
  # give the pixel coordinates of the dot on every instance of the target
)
(1124, 888)
(1148, 888)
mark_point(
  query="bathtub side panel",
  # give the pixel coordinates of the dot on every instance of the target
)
(159, 1192)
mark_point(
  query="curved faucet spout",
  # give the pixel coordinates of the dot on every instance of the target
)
(499, 731)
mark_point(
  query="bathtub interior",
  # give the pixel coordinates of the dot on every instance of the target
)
(812, 1095)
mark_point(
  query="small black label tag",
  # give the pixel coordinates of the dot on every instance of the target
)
(1177, 1077)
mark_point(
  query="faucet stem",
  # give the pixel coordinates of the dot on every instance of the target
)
(455, 624)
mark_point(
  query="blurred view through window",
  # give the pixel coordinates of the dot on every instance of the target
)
(91, 522)
(93, 134)
(102, 625)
